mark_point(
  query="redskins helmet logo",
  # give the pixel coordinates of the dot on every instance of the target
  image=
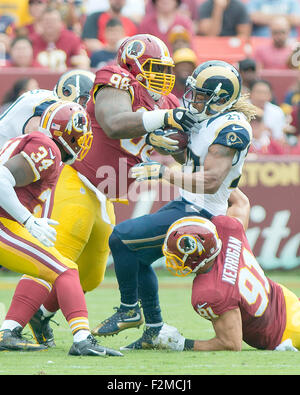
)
(187, 244)
(135, 49)
(77, 123)
(232, 138)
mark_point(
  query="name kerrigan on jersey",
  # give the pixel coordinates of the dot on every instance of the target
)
(232, 258)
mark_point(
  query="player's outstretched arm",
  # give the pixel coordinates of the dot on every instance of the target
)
(228, 329)
(113, 111)
(239, 207)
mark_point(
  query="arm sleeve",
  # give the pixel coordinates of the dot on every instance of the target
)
(9, 200)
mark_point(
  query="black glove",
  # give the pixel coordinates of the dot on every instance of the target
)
(180, 118)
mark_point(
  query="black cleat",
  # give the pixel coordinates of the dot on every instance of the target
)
(13, 341)
(90, 347)
(122, 319)
(40, 327)
(146, 341)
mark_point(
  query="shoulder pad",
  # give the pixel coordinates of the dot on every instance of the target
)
(234, 134)
(114, 76)
(38, 110)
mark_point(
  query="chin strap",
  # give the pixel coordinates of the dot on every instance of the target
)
(155, 96)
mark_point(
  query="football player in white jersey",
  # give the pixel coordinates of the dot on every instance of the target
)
(214, 159)
(23, 116)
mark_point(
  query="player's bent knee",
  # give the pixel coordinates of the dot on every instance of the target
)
(114, 242)
(93, 279)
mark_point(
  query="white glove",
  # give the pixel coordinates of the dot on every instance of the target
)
(40, 229)
(169, 338)
(287, 345)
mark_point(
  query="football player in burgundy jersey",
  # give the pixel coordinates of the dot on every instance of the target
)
(215, 155)
(29, 167)
(230, 289)
(128, 102)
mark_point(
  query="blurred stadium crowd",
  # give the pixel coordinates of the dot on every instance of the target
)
(260, 37)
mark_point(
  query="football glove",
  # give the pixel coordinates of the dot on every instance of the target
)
(40, 229)
(286, 345)
(147, 171)
(159, 139)
(169, 338)
(179, 118)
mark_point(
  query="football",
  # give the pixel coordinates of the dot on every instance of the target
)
(178, 135)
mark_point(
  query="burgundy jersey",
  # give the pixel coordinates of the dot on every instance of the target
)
(57, 55)
(44, 158)
(237, 281)
(108, 161)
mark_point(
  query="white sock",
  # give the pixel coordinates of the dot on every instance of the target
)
(154, 325)
(10, 324)
(46, 313)
(81, 335)
(129, 305)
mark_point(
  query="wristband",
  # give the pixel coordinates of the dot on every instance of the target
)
(153, 120)
(188, 345)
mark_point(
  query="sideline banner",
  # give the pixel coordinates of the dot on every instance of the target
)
(272, 186)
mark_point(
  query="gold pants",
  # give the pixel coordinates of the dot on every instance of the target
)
(82, 233)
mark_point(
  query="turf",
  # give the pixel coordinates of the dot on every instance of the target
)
(177, 311)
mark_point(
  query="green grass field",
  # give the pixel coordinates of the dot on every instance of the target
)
(177, 311)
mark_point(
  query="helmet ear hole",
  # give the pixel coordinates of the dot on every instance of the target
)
(66, 91)
(222, 100)
(74, 84)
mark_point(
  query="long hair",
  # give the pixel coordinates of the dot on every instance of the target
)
(246, 107)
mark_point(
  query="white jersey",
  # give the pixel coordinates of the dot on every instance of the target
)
(231, 130)
(33, 103)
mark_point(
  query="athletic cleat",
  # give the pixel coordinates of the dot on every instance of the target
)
(41, 329)
(146, 341)
(13, 341)
(122, 319)
(90, 347)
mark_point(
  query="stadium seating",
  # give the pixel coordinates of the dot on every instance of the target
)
(229, 49)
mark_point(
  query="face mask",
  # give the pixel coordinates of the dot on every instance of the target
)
(200, 116)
